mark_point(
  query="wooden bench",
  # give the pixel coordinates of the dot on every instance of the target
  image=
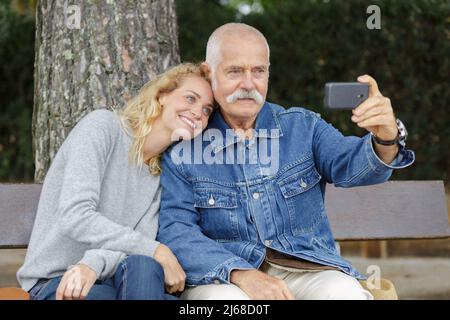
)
(392, 210)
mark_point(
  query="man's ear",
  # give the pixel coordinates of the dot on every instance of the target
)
(206, 69)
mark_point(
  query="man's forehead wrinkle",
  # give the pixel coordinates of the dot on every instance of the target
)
(237, 50)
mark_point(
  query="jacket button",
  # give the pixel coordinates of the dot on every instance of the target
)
(303, 184)
(255, 195)
(211, 201)
(268, 242)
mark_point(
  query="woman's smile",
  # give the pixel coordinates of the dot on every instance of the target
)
(190, 123)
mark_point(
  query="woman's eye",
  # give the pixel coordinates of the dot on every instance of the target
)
(190, 99)
(207, 111)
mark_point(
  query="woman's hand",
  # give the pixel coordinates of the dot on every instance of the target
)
(76, 283)
(174, 275)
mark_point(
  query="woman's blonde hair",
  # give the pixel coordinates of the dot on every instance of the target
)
(142, 110)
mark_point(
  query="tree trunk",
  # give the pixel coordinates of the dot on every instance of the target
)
(94, 54)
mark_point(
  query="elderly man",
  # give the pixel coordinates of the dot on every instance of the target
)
(246, 229)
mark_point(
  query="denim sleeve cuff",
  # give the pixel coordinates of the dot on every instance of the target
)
(221, 273)
(404, 158)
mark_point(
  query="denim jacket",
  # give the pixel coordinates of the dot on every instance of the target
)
(219, 215)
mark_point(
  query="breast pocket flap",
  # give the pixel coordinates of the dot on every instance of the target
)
(299, 182)
(214, 198)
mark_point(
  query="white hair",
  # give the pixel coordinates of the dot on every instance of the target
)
(213, 52)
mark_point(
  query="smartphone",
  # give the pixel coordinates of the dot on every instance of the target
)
(345, 95)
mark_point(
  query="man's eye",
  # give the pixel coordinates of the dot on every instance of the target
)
(260, 72)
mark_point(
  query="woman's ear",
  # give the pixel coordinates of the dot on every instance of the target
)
(161, 99)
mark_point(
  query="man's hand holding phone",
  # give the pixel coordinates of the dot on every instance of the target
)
(375, 114)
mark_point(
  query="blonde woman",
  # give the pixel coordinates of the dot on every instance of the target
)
(95, 229)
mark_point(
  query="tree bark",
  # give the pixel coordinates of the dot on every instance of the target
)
(94, 54)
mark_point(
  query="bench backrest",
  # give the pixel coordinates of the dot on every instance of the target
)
(18, 206)
(392, 210)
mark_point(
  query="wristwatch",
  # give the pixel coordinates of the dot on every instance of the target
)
(401, 136)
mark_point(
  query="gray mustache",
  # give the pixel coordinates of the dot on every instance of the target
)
(244, 94)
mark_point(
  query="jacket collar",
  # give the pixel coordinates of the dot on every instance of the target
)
(267, 126)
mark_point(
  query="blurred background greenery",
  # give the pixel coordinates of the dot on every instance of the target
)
(312, 42)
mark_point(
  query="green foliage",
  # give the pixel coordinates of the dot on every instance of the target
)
(197, 19)
(312, 42)
(16, 94)
(315, 41)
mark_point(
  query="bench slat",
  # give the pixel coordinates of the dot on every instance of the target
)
(391, 210)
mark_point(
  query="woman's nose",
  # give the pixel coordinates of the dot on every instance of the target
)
(195, 113)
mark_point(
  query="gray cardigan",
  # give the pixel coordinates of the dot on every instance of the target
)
(95, 208)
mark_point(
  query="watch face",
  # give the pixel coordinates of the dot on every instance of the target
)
(402, 130)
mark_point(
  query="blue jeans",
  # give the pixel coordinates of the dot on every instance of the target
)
(137, 278)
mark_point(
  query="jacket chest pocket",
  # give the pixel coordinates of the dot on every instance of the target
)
(303, 198)
(218, 213)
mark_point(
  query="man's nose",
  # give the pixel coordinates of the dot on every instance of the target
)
(247, 83)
